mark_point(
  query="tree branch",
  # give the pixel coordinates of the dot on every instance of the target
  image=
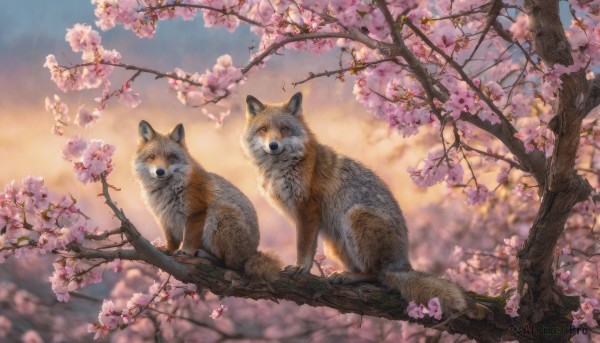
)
(592, 96)
(208, 8)
(553, 47)
(276, 46)
(88, 253)
(510, 162)
(327, 73)
(363, 299)
(156, 73)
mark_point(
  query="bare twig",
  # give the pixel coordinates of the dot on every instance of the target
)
(342, 70)
(156, 73)
(512, 163)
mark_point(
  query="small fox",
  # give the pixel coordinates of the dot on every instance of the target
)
(326, 193)
(200, 213)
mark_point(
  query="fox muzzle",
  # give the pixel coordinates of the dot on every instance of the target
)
(274, 148)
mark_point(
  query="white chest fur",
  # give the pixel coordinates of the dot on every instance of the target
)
(166, 199)
(284, 187)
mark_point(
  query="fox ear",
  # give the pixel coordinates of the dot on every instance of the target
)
(178, 134)
(295, 104)
(253, 105)
(146, 131)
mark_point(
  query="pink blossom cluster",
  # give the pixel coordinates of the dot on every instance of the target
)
(37, 223)
(85, 118)
(287, 20)
(512, 305)
(218, 312)
(585, 315)
(215, 83)
(143, 18)
(325, 270)
(94, 71)
(476, 195)
(433, 309)
(565, 282)
(111, 12)
(125, 95)
(60, 110)
(217, 19)
(71, 274)
(436, 168)
(92, 160)
(540, 138)
(34, 222)
(5, 326)
(31, 336)
(112, 317)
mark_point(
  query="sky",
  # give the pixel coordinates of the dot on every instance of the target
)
(28, 148)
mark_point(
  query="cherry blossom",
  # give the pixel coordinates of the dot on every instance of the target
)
(512, 305)
(74, 148)
(95, 161)
(433, 309)
(476, 195)
(31, 336)
(5, 326)
(218, 312)
(85, 118)
(60, 111)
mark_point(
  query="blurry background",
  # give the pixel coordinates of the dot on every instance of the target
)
(28, 148)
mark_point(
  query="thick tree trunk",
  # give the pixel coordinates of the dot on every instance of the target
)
(542, 300)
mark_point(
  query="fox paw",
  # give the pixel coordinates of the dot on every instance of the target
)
(348, 278)
(296, 270)
(180, 252)
(340, 278)
(165, 250)
(203, 254)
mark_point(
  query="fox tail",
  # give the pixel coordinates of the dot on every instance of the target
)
(263, 265)
(420, 287)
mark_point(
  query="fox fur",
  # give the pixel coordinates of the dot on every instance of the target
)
(326, 193)
(199, 212)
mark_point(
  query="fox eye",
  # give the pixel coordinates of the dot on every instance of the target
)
(263, 129)
(151, 157)
(285, 130)
(172, 157)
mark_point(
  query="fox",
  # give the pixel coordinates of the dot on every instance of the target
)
(325, 193)
(200, 213)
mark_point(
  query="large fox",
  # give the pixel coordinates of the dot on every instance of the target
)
(326, 193)
(200, 213)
